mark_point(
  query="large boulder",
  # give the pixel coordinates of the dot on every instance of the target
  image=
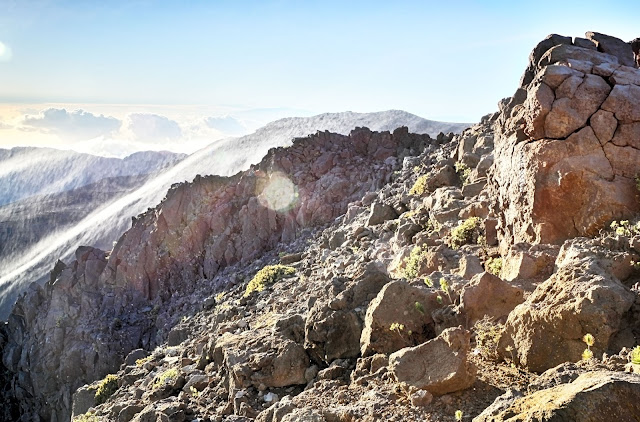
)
(581, 297)
(566, 154)
(255, 358)
(439, 366)
(409, 308)
(488, 295)
(592, 397)
(333, 328)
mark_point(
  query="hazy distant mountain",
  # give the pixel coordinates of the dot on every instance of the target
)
(101, 226)
(28, 171)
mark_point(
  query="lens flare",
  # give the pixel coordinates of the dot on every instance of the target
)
(279, 194)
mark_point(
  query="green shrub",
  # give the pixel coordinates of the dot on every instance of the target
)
(494, 266)
(141, 362)
(420, 186)
(412, 263)
(635, 355)
(86, 417)
(466, 232)
(487, 334)
(106, 388)
(167, 377)
(464, 172)
(267, 276)
(589, 340)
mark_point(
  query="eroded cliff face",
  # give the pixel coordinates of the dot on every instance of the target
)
(82, 323)
(568, 142)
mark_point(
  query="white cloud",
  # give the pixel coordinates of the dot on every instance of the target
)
(5, 52)
(227, 125)
(73, 126)
(153, 128)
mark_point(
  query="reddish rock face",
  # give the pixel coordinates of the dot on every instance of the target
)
(56, 339)
(567, 144)
(213, 222)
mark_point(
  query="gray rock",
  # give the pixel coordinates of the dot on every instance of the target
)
(439, 366)
(380, 213)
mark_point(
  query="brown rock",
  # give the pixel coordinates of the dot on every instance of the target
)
(488, 295)
(592, 397)
(580, 298)
(565, 52)
(623, 102)
(576, 100)
(526, 263)
(604, 125)
(538, 105)
(613, 46)
(421, 398)
(627, 134)
(469, 266)
(398, 303)
(439, 366)
(260, 357)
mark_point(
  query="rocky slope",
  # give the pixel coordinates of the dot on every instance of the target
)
(101, 225)
(374, 276)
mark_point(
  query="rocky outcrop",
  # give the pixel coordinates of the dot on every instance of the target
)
(583, 296)
(81, 325)
(592, 397)
(567, 151)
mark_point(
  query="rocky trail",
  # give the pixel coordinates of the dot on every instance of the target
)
(487, 276)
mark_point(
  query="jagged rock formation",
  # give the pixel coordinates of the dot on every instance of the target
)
(386, 309)
(199, 228)
(101, 226)
(567, 148)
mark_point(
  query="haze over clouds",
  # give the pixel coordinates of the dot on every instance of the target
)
(76, 125)
(93, 77)
(120, 130)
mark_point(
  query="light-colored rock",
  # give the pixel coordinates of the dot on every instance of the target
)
(421, 398)
(623, 102)
(258, 357)
(592, 397)
(469, 266)
(439, 366)
(488, 295)
(380, 213)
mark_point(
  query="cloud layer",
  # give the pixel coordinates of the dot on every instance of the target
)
(119, 130)
(153, 128)
(77, 125)
(226, 124)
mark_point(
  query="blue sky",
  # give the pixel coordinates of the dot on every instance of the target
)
(445, 60)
